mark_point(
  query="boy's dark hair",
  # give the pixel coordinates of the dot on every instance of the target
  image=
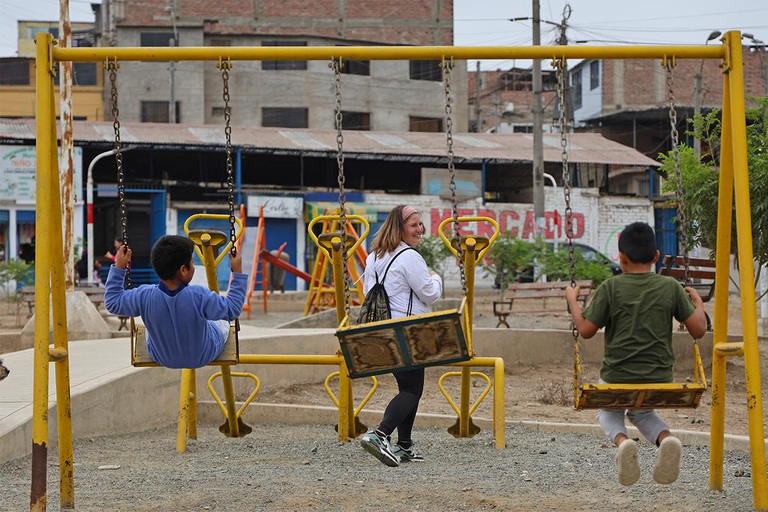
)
(638, 242)
(170, 253)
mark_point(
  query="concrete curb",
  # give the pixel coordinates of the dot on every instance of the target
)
(288, 414)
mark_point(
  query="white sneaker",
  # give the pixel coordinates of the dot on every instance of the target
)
(626, 459)
(668, 456)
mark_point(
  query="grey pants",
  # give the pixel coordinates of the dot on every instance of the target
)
(647, 421)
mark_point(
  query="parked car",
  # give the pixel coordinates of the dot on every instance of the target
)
(589, 253)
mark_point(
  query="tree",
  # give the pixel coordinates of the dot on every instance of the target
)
(507, 258)
(701, 180)
(557, 265)
(13, 275)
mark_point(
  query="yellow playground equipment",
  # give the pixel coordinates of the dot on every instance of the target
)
(321, 295)
(49, 264)
(660, 395)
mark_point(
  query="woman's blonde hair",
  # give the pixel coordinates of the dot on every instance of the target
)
(390, 233)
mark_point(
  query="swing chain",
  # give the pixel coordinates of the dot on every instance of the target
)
(561, 66)
(681, 220)
(112, 67)
(335, 65)
(447, 66)
(225, 67)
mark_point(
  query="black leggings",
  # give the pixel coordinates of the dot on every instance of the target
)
(401, 411)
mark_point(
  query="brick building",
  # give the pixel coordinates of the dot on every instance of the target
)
(377, 95)
(506, 98)
(626, 100)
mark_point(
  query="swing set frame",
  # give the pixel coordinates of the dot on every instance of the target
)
(734, 186)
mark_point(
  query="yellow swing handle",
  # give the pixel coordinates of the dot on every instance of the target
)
(214, 216)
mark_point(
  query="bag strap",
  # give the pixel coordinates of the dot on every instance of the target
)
(390, 264)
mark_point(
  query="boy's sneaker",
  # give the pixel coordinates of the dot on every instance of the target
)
(407, 454)
(668, 461)
(626, 459)
(378, 446)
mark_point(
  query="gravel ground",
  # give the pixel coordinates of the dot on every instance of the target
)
(287, 468)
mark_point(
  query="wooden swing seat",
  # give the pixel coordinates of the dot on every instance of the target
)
(140, 357)
(642, 396)
(405, 343)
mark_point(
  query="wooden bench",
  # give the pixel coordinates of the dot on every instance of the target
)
(94, 293)
(700, 269)
(525, 291)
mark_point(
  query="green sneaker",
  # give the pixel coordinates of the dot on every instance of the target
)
(379, 447)
(407, 454)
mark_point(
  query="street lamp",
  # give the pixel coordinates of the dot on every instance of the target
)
(760, 48)
(172, 67)
(697, 92)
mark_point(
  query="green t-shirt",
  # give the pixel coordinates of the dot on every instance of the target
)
(636, 311)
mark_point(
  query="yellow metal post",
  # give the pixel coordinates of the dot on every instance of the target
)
(466, 371)
(46, 118)
(499, 424)
(59, 300)
(722, 282)
(183, 418)
(346, 413)
(747, 284)
(192, 426)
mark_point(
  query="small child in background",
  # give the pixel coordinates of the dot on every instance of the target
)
(636, 308)
(187, 325)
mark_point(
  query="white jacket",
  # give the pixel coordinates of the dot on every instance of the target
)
(408, 272)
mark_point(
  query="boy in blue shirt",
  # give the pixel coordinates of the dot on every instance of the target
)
(636, 308)
(187, 325)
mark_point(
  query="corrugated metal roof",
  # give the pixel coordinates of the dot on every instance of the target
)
(411, 146)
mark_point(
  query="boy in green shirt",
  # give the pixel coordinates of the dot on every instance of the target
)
(636, 308)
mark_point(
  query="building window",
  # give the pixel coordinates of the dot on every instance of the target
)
(289, 65)
(157, 39)
(285, 117)
(426, 70)
(357, 67)
(221, 42)
(594, 75)
(576, 90)
(425, 124)
(355, 120)
(522, 128)
(33, 31)
(83, 73)
(157, 112)
(14, 72)
(217, 111)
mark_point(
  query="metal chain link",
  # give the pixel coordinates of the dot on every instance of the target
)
(335, 65)
(447, 66)
(681, 220)
(112, 68)
(560, 73)
(225, 67)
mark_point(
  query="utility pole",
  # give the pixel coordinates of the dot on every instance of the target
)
(478, 97)
(172, 68)
(538, 135)
(67, 148)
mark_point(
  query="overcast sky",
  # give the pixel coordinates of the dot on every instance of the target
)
(485, 22)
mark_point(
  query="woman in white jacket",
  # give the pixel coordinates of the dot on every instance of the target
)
(411, 287)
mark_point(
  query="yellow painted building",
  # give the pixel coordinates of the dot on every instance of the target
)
(17, 89)
(28, 30)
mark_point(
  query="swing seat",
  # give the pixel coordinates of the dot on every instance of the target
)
(407, 343)
(140, 357)
(641, 396)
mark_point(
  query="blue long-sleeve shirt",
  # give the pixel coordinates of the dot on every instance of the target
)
(179, 331)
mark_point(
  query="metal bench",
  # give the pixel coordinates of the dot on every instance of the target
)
(524, 291)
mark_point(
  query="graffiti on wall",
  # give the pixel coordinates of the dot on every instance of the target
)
(516, 223)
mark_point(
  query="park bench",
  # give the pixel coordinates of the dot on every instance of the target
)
(525, 291)
(94, 293)
(700, 270)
